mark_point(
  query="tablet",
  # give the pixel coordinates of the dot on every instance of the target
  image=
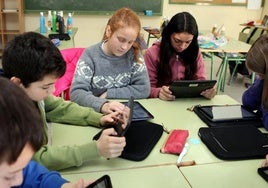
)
(190, 88)
(126, 117)
(263, 172)
(140, 112)
(102, 182)
(228, 113)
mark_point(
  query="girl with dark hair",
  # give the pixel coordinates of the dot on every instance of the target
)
(176, 57)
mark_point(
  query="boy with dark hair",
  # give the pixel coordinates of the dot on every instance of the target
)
(21, 134)
(31, 61)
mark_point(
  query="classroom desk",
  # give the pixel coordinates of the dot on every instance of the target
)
(154, 177)
(63, 43)
(233, 46)
(225, 175)
(152, 33)
(169, 113)
(159, 170)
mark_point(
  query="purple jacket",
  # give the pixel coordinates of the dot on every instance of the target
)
(252, 99)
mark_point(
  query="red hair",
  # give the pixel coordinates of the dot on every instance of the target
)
(125, 17)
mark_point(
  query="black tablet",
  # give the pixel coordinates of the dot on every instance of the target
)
(190, 88)
(140, 112)
(126, 117)
(263, 172)
(102, 182)
(228, 113)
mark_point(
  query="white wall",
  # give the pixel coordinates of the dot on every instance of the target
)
(265, 9)
(91, 27)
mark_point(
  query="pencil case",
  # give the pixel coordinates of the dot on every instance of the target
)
(175, 141)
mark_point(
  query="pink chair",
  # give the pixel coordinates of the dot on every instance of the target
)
(63, 84)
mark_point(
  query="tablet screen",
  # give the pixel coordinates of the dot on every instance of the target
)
(232, 112)
(140, 112)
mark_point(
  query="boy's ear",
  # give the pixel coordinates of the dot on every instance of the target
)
(15, 80)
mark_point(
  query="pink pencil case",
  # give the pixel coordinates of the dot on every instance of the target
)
(175, 141)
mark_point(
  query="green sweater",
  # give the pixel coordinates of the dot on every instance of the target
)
(57, 110)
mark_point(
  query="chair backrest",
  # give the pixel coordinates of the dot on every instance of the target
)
(250, 34)
(63, 84)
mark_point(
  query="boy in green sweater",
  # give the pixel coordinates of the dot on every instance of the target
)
(31, 61)
(21, 134)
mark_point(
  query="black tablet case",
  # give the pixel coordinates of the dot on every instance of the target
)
(235, 142)
(256, 122)
(141, 138)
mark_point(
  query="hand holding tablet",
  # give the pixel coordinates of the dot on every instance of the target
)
(190, 88)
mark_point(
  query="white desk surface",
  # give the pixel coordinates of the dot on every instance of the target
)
(172, 114)
(235, 46)
(227, 174)
(151, 171)
(153, 177)
(232, 46)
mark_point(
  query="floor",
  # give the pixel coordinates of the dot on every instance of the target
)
(235, 89)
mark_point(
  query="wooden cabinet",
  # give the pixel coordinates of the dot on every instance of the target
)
(11, 21)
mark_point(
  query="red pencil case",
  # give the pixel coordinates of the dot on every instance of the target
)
(175, 141)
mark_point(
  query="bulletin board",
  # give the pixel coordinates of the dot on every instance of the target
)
(101, 7)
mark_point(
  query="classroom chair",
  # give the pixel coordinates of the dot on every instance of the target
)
(237, 58)
(63, 84)
(248, 35)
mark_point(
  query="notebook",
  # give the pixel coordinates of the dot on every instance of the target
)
(190, 88)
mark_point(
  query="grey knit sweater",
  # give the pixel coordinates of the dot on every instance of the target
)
(97, 72)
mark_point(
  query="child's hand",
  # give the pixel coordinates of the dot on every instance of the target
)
(209, 93)
(112, 106)
(109, 145)
(109, 119)
(165, 94)
(265, 162)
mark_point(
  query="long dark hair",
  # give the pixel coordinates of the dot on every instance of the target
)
(181, 22)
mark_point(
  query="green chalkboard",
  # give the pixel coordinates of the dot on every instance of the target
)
(93, 6)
